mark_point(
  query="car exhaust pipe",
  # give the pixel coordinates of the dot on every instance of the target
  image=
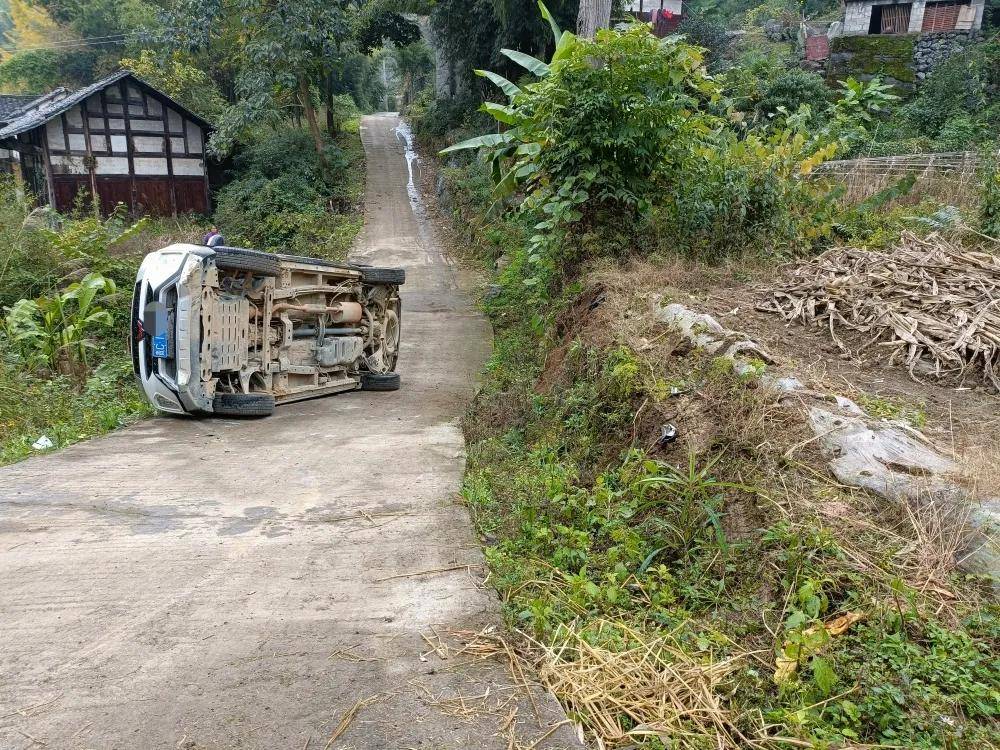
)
(341, 312)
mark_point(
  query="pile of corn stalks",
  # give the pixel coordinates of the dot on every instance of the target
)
(929, 303)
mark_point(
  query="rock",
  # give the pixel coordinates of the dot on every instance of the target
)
(889, 460)
(773, 30)
(788, 385)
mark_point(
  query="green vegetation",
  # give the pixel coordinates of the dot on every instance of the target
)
(843, 622)
(65, 283)
(282, 199)
(882, 407)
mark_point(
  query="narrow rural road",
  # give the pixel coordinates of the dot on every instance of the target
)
(222, 584)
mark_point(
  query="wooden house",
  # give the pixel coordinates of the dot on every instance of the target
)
(917, 17)
(119, 139)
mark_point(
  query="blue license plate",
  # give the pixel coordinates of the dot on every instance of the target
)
(160, 345)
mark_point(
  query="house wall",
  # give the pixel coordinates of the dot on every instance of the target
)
(858, 16)
(129, 146)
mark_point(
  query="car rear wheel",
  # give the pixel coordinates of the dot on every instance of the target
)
(376, 275)
(253, 261)
(243, 404)
(375, 381)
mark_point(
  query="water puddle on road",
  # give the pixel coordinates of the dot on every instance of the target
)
(405, 135)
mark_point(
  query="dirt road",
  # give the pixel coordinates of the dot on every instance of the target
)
(224, 584)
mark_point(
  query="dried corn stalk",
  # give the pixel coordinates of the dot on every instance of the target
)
(930, 303)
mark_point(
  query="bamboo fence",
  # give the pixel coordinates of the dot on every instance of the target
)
(950, 177)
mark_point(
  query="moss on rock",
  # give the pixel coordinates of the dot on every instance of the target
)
(866, 56)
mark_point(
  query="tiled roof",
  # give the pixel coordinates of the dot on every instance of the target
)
(10, 103)
(35, 115)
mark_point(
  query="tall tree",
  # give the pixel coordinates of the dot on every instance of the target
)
(285, 48)
(593, 15)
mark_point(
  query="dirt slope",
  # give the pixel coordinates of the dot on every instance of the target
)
(224, 584)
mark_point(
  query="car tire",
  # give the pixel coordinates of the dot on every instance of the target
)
(240, 259)
(243, 404)
(373, 381)
(376, 275)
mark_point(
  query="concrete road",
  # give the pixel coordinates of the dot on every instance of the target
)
(226, 584)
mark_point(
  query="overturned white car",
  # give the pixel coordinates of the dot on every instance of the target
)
(228, 331)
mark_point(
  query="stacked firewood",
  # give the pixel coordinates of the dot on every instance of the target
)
(930, 303)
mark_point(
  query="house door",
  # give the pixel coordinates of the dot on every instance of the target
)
(33, 173)
(890, 19)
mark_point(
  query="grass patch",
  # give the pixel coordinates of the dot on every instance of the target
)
(887, 407)
(64, 410)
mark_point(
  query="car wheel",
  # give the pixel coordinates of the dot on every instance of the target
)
(374, 381)
(243, 404)
(240, 259)
(375, 275)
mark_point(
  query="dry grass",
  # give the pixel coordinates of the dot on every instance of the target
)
(948, 177)
(649, 688)
(979, 468)
(940, 531)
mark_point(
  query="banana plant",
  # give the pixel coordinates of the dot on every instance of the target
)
(57, 329)
(523, 138)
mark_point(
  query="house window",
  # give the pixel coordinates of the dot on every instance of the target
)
(890, 19)
(944, 16)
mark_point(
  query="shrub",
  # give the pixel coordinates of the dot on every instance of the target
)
(790, 89)
(747, 196)
(56, 331)
(959, 133)
(433, 119)
(709, 34)
(625, 122)
(28, 263)
(280, 199)
(602, 125)
(955, 102)
(989, 202)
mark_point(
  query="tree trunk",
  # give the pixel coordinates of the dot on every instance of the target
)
(594, 15)
(407, 88)
(331, 123)
(307, 106)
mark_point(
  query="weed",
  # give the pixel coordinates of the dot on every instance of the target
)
(882, 407)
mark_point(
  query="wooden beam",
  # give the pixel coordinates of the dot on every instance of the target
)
(65, 131)
(107, 125)
(47, 164)
(169, 148)
(91, 161)
(128, 145)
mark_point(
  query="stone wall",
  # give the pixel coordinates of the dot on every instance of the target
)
(865, 57)
(932, 49)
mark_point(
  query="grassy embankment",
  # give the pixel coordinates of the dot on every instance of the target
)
(69, 386)
(721, 590)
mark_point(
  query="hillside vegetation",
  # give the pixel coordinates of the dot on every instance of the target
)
(683, 570)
